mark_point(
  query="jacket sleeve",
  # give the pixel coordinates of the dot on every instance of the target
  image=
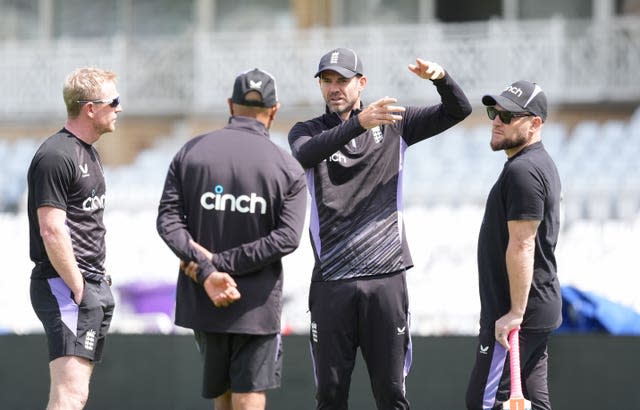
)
(171, 223)
(311, 147)
(423, 122)
(281, 241)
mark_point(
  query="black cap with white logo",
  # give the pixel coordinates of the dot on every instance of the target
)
(255, 80)
(521, 96)
(343, 61)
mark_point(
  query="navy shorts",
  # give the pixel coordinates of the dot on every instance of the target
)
(239, 362)
(72, 329)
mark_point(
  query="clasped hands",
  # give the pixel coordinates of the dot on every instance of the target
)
(219, 286)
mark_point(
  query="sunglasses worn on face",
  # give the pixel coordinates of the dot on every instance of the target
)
(505, 116)
(112, 103)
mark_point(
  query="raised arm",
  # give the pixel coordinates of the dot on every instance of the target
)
(311, 145)
(424, 122)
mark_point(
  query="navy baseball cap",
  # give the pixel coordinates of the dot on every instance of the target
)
(343, 61)
(521, 96)
(255, 80)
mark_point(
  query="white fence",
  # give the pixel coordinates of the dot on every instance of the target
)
(575, 62)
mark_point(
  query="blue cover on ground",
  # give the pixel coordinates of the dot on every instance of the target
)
(584, 311)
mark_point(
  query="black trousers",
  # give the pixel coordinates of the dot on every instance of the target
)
(489, 382)
(373, 314)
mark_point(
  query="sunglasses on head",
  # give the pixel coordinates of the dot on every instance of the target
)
(505, 116)
(112, 103)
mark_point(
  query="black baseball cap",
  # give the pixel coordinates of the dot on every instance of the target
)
(521, 96)
(343, 61)
(255, 80)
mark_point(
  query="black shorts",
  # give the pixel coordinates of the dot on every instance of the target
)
(489, 382)
(239, 362)
(371, 313)
(72, 329)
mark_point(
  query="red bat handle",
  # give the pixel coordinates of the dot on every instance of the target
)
(514, 363)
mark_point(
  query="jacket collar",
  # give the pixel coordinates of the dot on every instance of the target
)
(249, 124)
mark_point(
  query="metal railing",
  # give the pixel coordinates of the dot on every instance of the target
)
(575, 61)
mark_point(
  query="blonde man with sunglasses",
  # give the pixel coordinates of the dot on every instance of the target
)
(70, 291)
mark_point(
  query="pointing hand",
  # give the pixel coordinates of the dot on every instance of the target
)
(427, 69)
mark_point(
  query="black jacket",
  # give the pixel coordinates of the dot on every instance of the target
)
(355, 181)
(243, 198)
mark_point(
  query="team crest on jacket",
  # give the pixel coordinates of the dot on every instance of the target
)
(377, 134)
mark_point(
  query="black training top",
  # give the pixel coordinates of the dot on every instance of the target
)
(242, 197)
(66, 173)
(527, 189)
(355, 180)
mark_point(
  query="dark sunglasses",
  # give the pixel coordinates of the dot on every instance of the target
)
(112, 103)
(505, 116)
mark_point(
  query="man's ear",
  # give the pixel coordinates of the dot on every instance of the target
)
(87, 109)
(362, 82)
(536, 125)
(274, 110)
(537, 122)
(272, 115)
(230, 106)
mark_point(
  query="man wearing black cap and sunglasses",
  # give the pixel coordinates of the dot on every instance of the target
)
(233, 205)
(354, 155)
(518, 283)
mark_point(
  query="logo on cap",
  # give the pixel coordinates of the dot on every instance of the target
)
(344, 61)
(514, 90)
(255, 80)
(521, 96)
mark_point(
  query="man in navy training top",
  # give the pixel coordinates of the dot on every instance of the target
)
(233, 205)
(353, 156)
